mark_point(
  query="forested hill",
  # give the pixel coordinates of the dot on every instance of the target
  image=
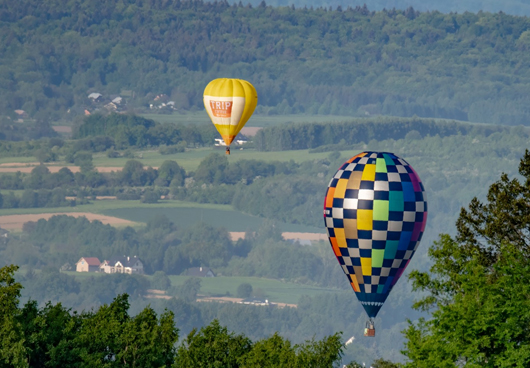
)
(514, 7)
(349, 61)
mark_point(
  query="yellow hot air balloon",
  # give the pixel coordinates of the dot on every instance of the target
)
(230, 103)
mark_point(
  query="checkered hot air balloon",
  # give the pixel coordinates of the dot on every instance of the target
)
(375, 213)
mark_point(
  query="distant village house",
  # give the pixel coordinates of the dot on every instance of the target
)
(123, 264)
(95, 96)
(87, 264)
(200, 272)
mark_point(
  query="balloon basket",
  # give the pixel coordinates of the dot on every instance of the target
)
(227, 150)
(369, 330)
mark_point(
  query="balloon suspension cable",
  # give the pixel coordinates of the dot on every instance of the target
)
(227, 150)
(369, 330)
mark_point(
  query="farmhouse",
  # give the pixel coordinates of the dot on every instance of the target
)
(122, 264)
(95, 96)
(87, 264)
(200, 272)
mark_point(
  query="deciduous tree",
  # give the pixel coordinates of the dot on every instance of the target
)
(479, 285)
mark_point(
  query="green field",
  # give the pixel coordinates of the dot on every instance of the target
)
(183, 214)
(183, 217)
(275, 291)
(201, 117)
(101, 206)
(23, 159)
(190, 160)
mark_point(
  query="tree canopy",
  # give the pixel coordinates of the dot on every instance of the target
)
(53, 336)
(478, 287)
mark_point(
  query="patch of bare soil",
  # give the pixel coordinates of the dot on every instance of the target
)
(27, 168)
(156, 294)
(15, 222)
(235, 235)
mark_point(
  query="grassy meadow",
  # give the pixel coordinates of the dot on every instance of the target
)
(191, 159)
(183, 217)
(275, 291)
(183, 214)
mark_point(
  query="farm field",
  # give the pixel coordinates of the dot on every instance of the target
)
(15, 222)
(189, 160)
(53, 168)
(230, 219)
(275, 291)
(184, 214)
(22, 159)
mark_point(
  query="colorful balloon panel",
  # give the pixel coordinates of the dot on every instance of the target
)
(229, 103)
(375, 213)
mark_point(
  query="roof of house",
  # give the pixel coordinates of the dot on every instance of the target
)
(199, 271)
(91, 261)
(126, 261)
(94, 95)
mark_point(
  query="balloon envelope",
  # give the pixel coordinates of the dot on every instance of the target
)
(375, 212)
(230, 103)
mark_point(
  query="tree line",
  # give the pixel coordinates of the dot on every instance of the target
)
(53, 336)
(130, 130)
(342, 135)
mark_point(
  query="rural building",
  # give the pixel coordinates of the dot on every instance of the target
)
(122, 264)
(111, 106)
(219, 142)
(95, 96)
(255, 301)
(87, 264)
(200, 272)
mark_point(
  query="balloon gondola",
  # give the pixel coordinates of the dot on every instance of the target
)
(375, 212)
(229, 103)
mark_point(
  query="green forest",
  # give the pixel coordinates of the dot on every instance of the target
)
(350, 61)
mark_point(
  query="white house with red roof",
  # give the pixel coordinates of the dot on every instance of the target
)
(87, 264)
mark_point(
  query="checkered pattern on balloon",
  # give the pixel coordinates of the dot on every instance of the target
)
(375, 214)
